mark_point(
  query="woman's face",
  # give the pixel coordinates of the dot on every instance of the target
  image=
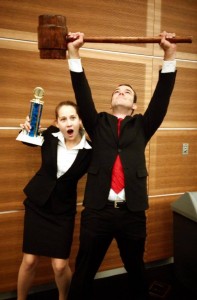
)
(69, 122)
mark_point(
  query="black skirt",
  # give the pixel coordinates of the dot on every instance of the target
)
(47, 234)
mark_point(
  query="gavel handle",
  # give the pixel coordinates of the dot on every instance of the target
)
(149, 40)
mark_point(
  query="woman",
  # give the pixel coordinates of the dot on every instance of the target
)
(50, 204)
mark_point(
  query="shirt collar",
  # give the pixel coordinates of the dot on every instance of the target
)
(82, 144)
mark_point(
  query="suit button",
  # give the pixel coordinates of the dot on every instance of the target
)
(119, 150)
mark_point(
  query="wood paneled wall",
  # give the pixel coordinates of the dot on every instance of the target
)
(106, 65)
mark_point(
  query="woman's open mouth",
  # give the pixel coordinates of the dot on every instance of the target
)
(70, 131)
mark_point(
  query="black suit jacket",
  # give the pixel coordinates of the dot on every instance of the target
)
(135, 133)
(45, 186)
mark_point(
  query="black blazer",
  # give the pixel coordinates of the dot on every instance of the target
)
(45, 186)
(135, 133)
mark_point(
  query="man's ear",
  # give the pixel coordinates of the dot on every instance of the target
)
(134, 106)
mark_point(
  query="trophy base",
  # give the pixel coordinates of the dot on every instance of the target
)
(24, 137)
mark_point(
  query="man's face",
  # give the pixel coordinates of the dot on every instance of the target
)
(123, 96)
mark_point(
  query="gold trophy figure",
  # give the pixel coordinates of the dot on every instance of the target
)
(36, 107)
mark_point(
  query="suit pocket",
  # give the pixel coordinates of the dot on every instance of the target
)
(39, 188)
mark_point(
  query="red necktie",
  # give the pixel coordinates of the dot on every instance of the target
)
(117, 183)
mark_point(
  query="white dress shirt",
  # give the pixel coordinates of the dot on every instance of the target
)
(66, 157)
(75, 65)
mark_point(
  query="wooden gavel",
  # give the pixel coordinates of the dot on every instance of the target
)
(53, 37)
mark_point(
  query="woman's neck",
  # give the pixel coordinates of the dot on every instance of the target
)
(72, 143)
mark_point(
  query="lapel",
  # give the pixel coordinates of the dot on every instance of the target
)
(113, 124)
(80, 158)
(127, 129)
(54, 143)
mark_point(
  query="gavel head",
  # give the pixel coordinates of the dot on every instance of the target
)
(52, 32)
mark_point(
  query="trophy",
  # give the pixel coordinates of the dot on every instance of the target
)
(33, 136)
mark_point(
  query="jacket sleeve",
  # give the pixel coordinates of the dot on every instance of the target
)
(84, 100)
(157, 108)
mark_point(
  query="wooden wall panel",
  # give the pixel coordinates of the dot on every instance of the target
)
(183, 105)
(179, 17)
(18, 164)
(23, 17)
(159, 243)
(53, 76)
(182, 20)
(21, 72)
(11, 230)
(91, 17)
(113, 73)
(106, 65)
(170, 171)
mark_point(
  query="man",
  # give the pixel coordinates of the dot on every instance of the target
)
(111, 213)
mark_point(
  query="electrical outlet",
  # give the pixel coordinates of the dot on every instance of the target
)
(185, 149)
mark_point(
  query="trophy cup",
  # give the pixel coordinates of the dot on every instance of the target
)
(33, 137)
